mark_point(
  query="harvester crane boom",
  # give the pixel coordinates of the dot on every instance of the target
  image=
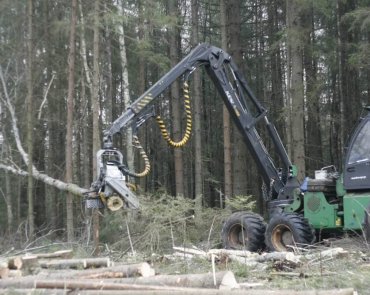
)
(329, 202)
(239, 100)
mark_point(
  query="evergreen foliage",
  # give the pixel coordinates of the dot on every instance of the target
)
(335, 56)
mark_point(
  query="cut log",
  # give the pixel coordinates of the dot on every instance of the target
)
(82, 285)
(15, 262)
(245, 257)
(279, 256)
(26, 263)
(75, 263)
(190, 251)
(224, 280)
(4, 273)
(302, 275)
(4, 270)
(217, 252)
(186, 291)
(222, 292)
(121, 271)
(17, 291)
(57, 254)
(329, 253)
(118, 271)
(241, 253)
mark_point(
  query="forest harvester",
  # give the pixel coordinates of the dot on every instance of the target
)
(329, 202)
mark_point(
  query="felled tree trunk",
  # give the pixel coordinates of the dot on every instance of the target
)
(23, 262)
(57, 254)
(222, 280)
(70, 187)
(4, 270)
(75, 263)
(119, 271)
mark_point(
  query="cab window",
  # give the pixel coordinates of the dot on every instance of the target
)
(360, 150)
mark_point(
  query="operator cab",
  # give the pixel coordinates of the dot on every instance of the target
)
(356, 174)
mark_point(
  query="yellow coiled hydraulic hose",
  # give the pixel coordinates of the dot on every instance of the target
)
(143, 155)
(186, 136)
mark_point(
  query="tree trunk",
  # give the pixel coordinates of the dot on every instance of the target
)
(8, 193)
(86, 103)
(228, 187)
(24, 263)
(276, 99)
(126, 87)
(142, 35)
(108, 102)
(295, 43)
(75, 263)
(63, 186)
(118, 271)
(348, 75)
(197, 99)
(223, 279)
(313, 138)
(50, 154)
(239, 152)
(96, 115)
(219, 280)
(30, 121)
(5, 149)
(86, 139)
(175, 93)
(70, 108)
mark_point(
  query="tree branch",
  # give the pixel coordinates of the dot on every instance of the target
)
(70, 187)
(45, 96)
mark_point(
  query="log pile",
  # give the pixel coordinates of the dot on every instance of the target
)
(257, 260)
(62, 273)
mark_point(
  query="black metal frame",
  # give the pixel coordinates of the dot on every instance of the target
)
(238, 98)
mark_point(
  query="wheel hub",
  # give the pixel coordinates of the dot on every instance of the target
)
(287, 238)
(286, 230)
(238, 236)
(282, 237)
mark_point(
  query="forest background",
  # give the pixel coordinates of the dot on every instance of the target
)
(69, 68)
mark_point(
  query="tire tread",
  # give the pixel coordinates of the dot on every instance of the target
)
(254, 225)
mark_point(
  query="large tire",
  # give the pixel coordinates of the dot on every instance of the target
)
(244, 230)
(287, 230)
(366, 227)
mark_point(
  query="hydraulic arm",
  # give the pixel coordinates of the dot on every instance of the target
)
(245, 110)
(326, 202)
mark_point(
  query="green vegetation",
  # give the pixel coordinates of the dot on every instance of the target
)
(162, 222)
